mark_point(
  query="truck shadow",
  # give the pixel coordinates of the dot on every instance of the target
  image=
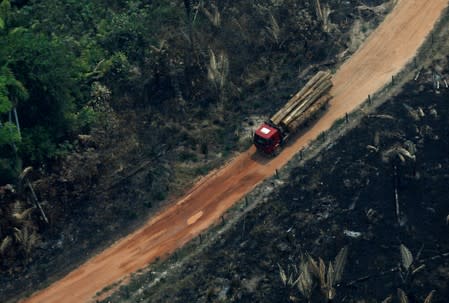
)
(261, 157)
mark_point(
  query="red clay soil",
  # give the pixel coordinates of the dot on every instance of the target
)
(383, 55)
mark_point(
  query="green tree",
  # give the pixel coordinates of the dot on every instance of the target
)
(12, 91)
(9, 134)
(49, 70)
(35, 54)
(5, 8)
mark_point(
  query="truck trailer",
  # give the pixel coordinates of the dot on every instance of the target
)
(303, 106)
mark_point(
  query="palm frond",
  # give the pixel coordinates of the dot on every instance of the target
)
(282, 275)
(402, 296)
(212, 68)
(21, 235)
(25, 172)
(330, 275)
(27, 238)
(305, 282)
(323, 15)
(213, 16)
(4, 245)
(21, 216)
(274, 30)
(17, 207)
(313, 266)
(429, 297)
(406, 257)
(218, 68)
(322, 273)
(340, 263)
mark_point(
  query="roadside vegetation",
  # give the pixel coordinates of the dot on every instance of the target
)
(109, 108)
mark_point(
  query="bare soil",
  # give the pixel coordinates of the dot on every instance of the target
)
(383, 55)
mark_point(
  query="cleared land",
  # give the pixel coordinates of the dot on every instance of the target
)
(383, 55)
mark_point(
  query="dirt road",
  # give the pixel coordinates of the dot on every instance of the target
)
(384, 54)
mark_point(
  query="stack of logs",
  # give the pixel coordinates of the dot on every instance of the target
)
(306, 103)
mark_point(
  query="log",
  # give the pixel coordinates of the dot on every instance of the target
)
(308, 91)
(396, 196)
(290, 105)
(298, 98)
(303, 106)
(322, 89)
(36, 200)
(309, 113)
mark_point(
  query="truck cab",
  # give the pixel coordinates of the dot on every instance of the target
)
(267, 138)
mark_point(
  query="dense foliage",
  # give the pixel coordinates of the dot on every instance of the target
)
(42, 82)
(51, 54)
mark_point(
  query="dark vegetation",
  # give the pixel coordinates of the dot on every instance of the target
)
(342, 198)
(109, 107)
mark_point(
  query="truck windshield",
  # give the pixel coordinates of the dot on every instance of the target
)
(259, 140)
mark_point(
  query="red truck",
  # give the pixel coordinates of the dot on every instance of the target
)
(313, 97)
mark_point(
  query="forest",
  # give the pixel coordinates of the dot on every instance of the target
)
(110, 108)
